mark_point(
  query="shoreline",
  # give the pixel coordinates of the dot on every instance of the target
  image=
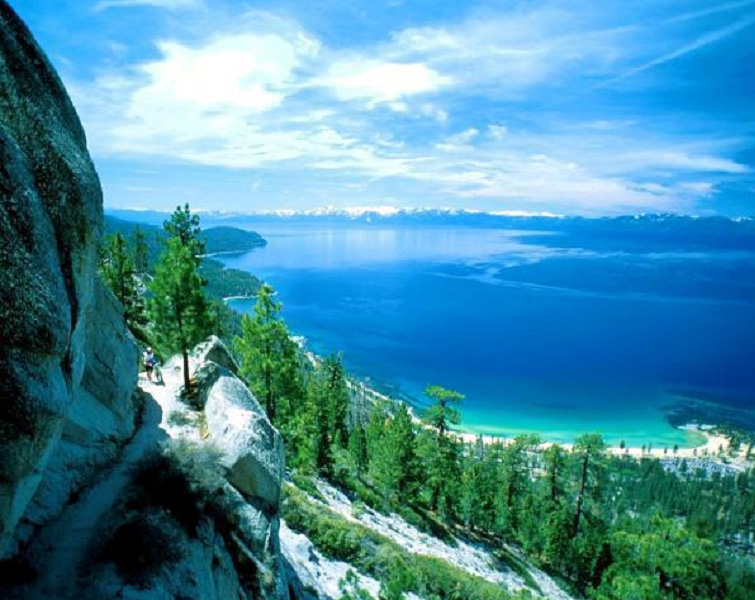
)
(709, 449)
(714, 447)
(241, 297)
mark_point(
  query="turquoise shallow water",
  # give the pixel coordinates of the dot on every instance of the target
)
(542, 333)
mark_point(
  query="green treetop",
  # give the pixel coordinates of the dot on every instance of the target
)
(269, 358)
(184, 225)
(443, 412)
(440, 451)
(665, 561)
(589, 450)
(141, 251)
(179, 306)
(117, 269)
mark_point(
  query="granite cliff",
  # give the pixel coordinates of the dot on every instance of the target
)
(88, 462)
(67, 363)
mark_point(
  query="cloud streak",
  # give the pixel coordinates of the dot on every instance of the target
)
(457, 112)
(167, 4)
(701, 42)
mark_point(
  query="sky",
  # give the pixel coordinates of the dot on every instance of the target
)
(571, 106)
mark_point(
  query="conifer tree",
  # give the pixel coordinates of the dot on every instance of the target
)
(470, 488)
(441, 451)
(117, 269)
(337, 399)
(443, 412)
(358, 449)
(316, 411)
(664, 561)
(179, 306)
(555, 465)
(588, 450)
(184, 225)
(398, 473)
(515, 479)
(141, 251)
(268, 357)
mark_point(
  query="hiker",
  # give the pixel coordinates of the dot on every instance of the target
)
(150, 360)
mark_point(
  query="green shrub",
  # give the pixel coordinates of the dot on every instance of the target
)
(398, 570)
(181, 479)
(350, 588)
(140, 548)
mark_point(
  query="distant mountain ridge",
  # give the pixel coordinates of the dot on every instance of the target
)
(459, 216)
(663, 229)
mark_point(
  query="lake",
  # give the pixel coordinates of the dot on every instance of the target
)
(552, 332)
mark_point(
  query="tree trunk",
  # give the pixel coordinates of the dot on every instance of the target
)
(184, 349)
(583, 482)
(187, 381)
(269, 394)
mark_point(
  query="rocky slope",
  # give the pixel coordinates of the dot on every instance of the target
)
(97, 500)
(67, 363)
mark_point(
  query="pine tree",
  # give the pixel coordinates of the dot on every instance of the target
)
(358, 449)
(664, 561)
(184, 225)
(337, 400)
(443, 412)
(588, 449)
(398, 475)
(555, 465)
(269, 359)
(317, 413)
(441, 451)
(470, 488)
(179, 306)
(515, 480)
(141, 251)
(117, 269)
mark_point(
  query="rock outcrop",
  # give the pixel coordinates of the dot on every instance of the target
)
(223, 420)
(67, 363)
(106, 490)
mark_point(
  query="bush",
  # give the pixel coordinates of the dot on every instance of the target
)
(398, 570)
(17, 570)
(140, 548)
(182, 479)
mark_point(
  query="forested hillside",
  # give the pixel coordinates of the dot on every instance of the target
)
(147, 242)
(607, 526)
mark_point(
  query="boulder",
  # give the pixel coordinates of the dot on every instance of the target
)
(214, 350)
(252, 448)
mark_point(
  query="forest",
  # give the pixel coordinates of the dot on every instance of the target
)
(610, 527)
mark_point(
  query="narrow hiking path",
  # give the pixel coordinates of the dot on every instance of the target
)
(63, 544)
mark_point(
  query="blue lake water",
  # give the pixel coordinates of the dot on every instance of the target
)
(552, 332)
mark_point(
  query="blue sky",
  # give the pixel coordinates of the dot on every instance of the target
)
(575, 107)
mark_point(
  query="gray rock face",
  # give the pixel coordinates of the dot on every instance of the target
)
(67, 364)
(252, 448)
(214, 350)
(249, 450)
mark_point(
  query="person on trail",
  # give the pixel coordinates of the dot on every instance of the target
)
(150, 360)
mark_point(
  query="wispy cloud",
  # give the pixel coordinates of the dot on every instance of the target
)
(167, 4)
(457, 111)
(702, 41)
(711, 10)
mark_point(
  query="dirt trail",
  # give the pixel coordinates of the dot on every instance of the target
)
(62, 546)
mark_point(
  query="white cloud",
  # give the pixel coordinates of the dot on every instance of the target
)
(497, 132)
(265, 94)
(504, 55)
(432, 111)
(378, 82)
(459, 142)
